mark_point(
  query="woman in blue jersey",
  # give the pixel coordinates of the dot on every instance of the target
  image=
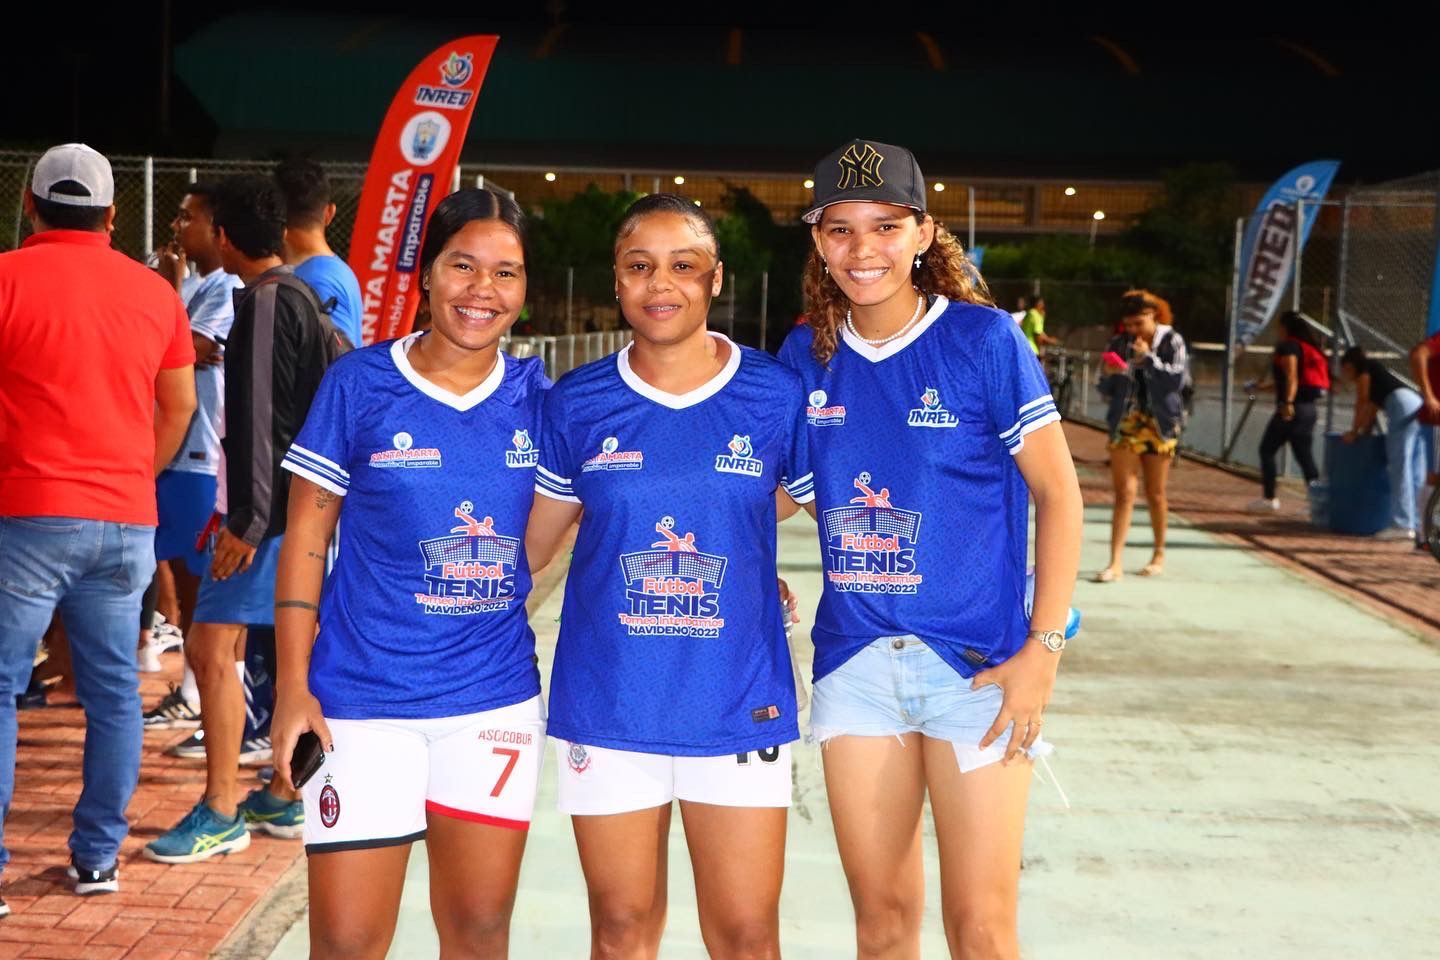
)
(672, 676)
(421, 683)
(931, 428)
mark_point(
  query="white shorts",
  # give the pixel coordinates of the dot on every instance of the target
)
(384, 776)
(596, 781)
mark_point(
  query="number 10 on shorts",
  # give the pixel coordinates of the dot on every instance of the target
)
(766, 755)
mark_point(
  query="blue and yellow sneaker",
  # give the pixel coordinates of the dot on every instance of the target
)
(201, 835)
(262, 810)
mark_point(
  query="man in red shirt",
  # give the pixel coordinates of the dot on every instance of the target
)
(97, 386)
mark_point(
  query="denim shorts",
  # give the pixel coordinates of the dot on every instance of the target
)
(246, 598)
(898, 685)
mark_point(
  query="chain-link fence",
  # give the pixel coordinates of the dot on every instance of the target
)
(148, 191)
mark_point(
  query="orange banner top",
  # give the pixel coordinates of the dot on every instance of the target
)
(411, 168)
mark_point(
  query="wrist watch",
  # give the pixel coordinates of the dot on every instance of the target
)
(1054, 640)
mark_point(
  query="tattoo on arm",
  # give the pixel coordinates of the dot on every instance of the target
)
(323, 498)
(298, 604)
(317, 556)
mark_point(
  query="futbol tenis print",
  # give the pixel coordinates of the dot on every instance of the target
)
(870, 543)
(672, 589)
(471, 569)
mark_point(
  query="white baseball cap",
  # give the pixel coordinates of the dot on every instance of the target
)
(80, 165)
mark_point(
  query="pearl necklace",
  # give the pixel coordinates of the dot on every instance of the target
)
(919, 312)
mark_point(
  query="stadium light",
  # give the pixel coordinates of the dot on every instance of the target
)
(679, 181)
(939, 187)
(809, 184)
(1069, 191)
(1099, 214)
(550, 176)
(697, 203)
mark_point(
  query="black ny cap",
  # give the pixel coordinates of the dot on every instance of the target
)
(863, 170)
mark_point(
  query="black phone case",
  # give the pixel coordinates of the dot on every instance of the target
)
(308, 757)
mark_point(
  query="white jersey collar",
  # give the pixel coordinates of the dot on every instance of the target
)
(876, 354)
(679, 401)
(399, 352)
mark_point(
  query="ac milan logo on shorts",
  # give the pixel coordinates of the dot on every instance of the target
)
(329, 806)
(578, 758)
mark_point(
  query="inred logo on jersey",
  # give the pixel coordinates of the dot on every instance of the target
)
(930, 413)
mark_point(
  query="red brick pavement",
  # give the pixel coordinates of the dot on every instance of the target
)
(180, 912)
(1392, 578)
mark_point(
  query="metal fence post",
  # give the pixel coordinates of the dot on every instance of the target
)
(194, 175)
(764, 305)
(149, 217)
(971, 245)
(569, 299)
(1227, 377)
(731, 334)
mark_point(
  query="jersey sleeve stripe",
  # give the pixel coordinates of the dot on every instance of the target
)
(311, 456)
(565, 481)
(804, 498)
(553, 495)
(1038, 401)
(803, 485)
(315, 478)
(336, 476)
(1019, 443)
(1009, 436)
(561, 487)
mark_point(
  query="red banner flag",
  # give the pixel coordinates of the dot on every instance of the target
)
(411, 168)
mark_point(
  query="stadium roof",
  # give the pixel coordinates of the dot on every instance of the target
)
(773, 97)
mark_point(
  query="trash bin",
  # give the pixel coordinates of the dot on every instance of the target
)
(1358, 495)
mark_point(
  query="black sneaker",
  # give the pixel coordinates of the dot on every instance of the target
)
(89, 881)
(191, 748)
(173, 712)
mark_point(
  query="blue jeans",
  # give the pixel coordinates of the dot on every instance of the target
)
(1404, 456)
(94, 572)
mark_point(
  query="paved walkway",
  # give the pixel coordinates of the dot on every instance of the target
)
(1248, 751)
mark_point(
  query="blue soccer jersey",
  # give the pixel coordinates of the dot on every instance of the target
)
(671, 636)
(922, 512)
(424, 613)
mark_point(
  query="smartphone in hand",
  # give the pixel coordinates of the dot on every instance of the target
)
(308, 757)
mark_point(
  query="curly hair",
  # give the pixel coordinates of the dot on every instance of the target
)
(1138, 301)
(944, 270)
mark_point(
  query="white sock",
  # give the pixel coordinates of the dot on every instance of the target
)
(189, 689)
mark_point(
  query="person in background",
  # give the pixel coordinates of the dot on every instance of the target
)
(97, 385)
(1425, 368)
(1033, 326)
(1376, 389)
(1301, 377)
(1018, 314)
(308, 211)
(277, 352)
(186, 489)
(1144, 381)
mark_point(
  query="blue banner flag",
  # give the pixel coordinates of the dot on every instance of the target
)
(1267, 255)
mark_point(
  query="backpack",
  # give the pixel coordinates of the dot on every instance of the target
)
(336, 343)
(1314, 368)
